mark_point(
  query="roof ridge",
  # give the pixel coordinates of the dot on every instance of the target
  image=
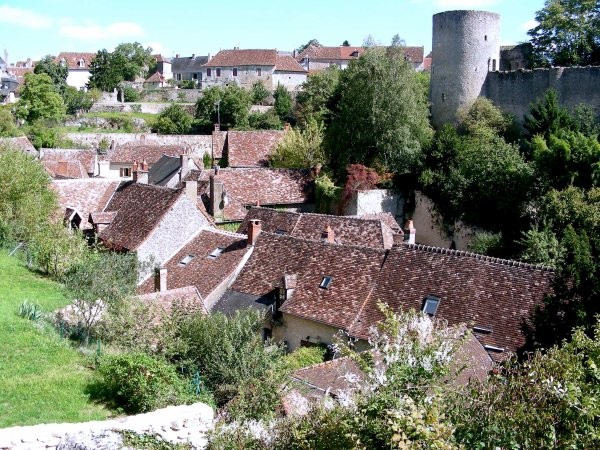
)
(492, 259)
(355, 217)
(311, 241)
(225, 232)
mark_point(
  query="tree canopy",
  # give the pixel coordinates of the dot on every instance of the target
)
(127, 62)
(57, 72)
(173, 120)
(40, 99)
(233, 107)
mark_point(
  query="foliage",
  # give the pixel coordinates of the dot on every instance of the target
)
(483, 118)
(541, 246)
(269, 120)
(381, 117)
(8, 128)
(149, 442)
(585, 120)
(485, 243)
(138, 383)
(259, 93)
(567, 34)
(43, 134)
(187, 84)
(313, 42)
(125, 63)
(40, 99)
(130, 94)
(316, 98)
(173, 120)
(30, 311)
(284, 105)
(305, 357)
(327, 195)
(77, 101)
(234, 107)
(300, 149)
(359, 178)
(56, 71)
(547, 116)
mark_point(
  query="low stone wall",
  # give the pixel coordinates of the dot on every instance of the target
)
(176, 424)
(171, 95)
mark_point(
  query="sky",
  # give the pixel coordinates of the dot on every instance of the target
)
(35, 28)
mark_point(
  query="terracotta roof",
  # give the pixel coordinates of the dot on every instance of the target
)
(65, 169)
(347, 230)
(246, 187)
(72, 59)
(20, 143)
(87, 158)
(219, 138)
(354, 271)
(386, 218)
(160, 58)
(187, 297)
(139, 208)
(134, 151)
(19, 72)
(251, 148)
(286, 63)
(236, 58)
(203, 272)
(85, 195)
(156, 77)
(497, 295)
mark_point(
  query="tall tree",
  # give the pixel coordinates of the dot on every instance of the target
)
(313, 42)
(284, 104)
(56, 71)
(316, 98)
(567, 34)
(125, 63)
(40, 99)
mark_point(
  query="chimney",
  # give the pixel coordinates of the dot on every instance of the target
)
(409, 232)
(144, 165)
(191, 190)
(398, 239)
(193, 55)
(216, 168)
(160, 283)
(287, 126)
(254, 227)
(103, 169)
(185, 168)
(139, 172)
(217, 127)
(216, 197)
(328, 235)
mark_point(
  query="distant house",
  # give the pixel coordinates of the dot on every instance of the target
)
(246, 67)
(122, 157)
(188, 68)
(155, 81)
(78, 64)
(70, 163)
(316, 58)
(8, 83)
(164, 66)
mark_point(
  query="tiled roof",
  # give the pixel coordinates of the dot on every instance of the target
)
(187, 297)
(20, 143)
(246, 187)
(219, 138)
(347, 230)
(139, 208)
(156, 77)
(72, 59)
(85, 195)
(65, 169)
(480, 291)
(87, 158)
(160, 58)
(251, 148)
(385, 217)
(134, 151)
(20, 72)
(286, 63)
(236, 58)
(203, 272)
(354, 271)
(188, 64)
(315, 53)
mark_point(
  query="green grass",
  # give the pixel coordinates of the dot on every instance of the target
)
(148, 117)
(42, 378)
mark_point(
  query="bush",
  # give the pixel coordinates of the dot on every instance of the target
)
(130, 94)
(136, 383)
(268, 120)
(31, 311)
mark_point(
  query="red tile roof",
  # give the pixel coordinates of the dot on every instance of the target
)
(87, 158)
(72, 59)
(20, 72)
(286, 63)
(187, 297)
(236, 58)
(202, 272)
(219, 139)
(20, 143)
(65, 169)
(156, 77)
(251, 148)
(134, 151)
(139, 208)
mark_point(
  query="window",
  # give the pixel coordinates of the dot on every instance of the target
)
(493, 65)
(482, 330)
(178, 77)
(430, 305)
(258, 71)
(195, 76)
(125, 172)
(326, 282)
(443, 98)
(218, 72)
(216, 253)
(485, 37)
(234, 71)
(280, 232)
(81, 63)
(208, 72)
(186, 260)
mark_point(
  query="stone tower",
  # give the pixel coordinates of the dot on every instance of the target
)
(465, 47)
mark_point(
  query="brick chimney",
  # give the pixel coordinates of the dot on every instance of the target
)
(217, 127)
(185, 167)
(254, 228)
(139, 172)
(160, 283)
(191, 190)
(216, 197)
(409, 232)
(328, 235)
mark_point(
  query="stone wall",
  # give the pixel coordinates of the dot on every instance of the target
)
(375, 201)
(176, 424)
(296, 329)
(171, 95)
(514, 91)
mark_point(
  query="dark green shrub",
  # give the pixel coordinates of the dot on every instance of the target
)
(130, 94)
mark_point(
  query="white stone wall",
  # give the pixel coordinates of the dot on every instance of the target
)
(291, 81)
(296, 329)
(176, 424)
(375, 201)
(78, 78)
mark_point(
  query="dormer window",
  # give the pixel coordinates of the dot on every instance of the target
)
(81, 63)
(186, 260)
(216, 253)
(63, 62)
(430, 305)
(326, 282)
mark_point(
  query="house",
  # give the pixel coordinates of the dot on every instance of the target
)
(164, 66)
(345, 230)
(155, 81)
(208, 262)
(251, 148)
(79, 64)
(70, 163)
(227, 193)
(246, 67)
(169, 171)
(8, 83)
(188, 67)
(316, 58)
(153, 221)
(122, 157)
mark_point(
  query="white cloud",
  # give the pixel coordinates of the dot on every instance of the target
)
(157, 48)
(526, 26)
(88, 31)
(23, 17)
(465, 4)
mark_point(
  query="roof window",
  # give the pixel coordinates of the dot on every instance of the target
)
(186, 260)
(493, 348)
(482, 330)
(216, 253)
(430, 305)
(326, 282)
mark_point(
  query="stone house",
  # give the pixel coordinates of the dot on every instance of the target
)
(246, 67)
(164, 66)
(155, 81)
(188, 67)
(78, 64)
(8, 83)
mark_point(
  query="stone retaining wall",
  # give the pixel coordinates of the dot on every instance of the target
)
(176, 424)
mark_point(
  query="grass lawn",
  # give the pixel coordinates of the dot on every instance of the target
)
(42, 378)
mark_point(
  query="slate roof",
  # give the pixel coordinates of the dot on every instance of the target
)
(348, 230)
(354, 271)
(20, 143)
(287, 63)
(246, 57)
(264, 186)
(85, 195)
(251, 148)
(232, 301)
(139, 208)
(477, 290)
(203, 272)
(188, 64)
(65, 169)
(87, 158)
(72, 59)
(163, 170)
(134, 151)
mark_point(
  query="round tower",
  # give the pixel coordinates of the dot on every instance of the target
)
(465, 47)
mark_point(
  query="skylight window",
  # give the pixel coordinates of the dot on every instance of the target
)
(280, 231)
(430, 305)
(216, 253)
(326, 282)
(186, 260)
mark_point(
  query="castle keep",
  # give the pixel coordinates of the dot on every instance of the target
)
(466, 62)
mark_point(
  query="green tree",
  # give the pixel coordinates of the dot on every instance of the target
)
(8, 128)
(259, 93)
(233, 107)
(567, 34)
(316, 99)
(173, 120)
(346, 43)
(76, 100)
(269, 120)
(300, 149)
(58, 72)
(40, 100)
(206, 109)
(313, 42)
(284, 104)
(127, 62)
(546, 116)
(381, 117)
